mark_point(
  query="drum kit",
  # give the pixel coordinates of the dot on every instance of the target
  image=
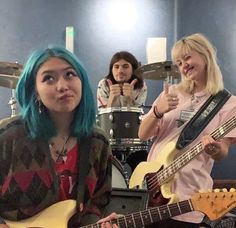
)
(121, 123)
(9, 75)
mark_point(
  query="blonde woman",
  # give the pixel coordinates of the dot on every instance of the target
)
(196, 59)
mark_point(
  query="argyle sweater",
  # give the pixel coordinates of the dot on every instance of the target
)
(28, 180)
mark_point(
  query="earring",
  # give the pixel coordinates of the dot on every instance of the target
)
(40, 105)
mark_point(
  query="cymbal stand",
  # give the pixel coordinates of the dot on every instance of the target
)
(170, 79)
(12, 102)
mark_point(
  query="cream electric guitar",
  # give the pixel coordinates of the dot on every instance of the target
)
(213, 204)
(157, 177)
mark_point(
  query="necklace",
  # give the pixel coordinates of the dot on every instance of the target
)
(60, 153)
(196, 99)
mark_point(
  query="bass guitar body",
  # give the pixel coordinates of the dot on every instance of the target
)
(144, 176)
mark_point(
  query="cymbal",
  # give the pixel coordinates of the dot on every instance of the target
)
(8, 81)
(7, 68)
(158, 71)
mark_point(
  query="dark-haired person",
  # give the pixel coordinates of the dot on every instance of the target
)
(44, 151)
(121, 87)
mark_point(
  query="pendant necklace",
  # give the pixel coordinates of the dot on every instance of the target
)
(196, 99)
(63, 152)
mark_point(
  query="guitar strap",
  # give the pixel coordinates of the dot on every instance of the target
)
(203, 116)
(84, 150)
(84, 166)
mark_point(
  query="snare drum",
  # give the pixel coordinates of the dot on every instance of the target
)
(118, 177)
(121, 125)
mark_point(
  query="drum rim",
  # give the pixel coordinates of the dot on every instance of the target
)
(119, 109)
(117, 164)
(115, 161)
(127, 141)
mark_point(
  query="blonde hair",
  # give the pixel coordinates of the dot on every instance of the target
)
(199, 43)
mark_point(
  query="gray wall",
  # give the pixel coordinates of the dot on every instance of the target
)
(29, 24)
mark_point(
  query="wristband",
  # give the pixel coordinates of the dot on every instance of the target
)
(157, 114)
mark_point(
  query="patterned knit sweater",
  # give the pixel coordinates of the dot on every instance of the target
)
(28, 180)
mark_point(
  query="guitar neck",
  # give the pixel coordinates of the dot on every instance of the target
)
(150, 216)
(185, 158)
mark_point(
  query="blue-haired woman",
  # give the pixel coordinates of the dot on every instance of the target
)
(52, 152)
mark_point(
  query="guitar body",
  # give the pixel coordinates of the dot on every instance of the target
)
(214, 205)
(145, 172)
(56, 216)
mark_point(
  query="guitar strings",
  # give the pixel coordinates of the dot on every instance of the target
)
(154, 214)
(178, 160)
(156, 180)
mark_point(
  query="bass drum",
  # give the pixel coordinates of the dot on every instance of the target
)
(119, 179)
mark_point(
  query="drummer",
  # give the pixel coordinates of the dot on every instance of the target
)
(121, 87)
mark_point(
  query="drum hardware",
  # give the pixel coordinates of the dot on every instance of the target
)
(9, 73)
(13, 103)
(158, 71)
(7, 68)
(8, 81)
(127, 124)
(111, 133)
(111, 117)
(121, 125)
(145, 106)
(121, 154)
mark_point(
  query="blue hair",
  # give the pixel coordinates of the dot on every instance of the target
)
(39, 125)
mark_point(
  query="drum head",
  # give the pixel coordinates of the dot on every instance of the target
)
(118, 176)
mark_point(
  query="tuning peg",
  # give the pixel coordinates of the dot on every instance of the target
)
(232, 190)
(216, 190)
(224, 190)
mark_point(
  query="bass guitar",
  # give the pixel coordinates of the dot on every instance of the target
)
(157, 177)
(213, 204)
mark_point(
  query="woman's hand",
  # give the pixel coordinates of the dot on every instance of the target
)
(106, 222)
(167, 102)
(216, 149)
